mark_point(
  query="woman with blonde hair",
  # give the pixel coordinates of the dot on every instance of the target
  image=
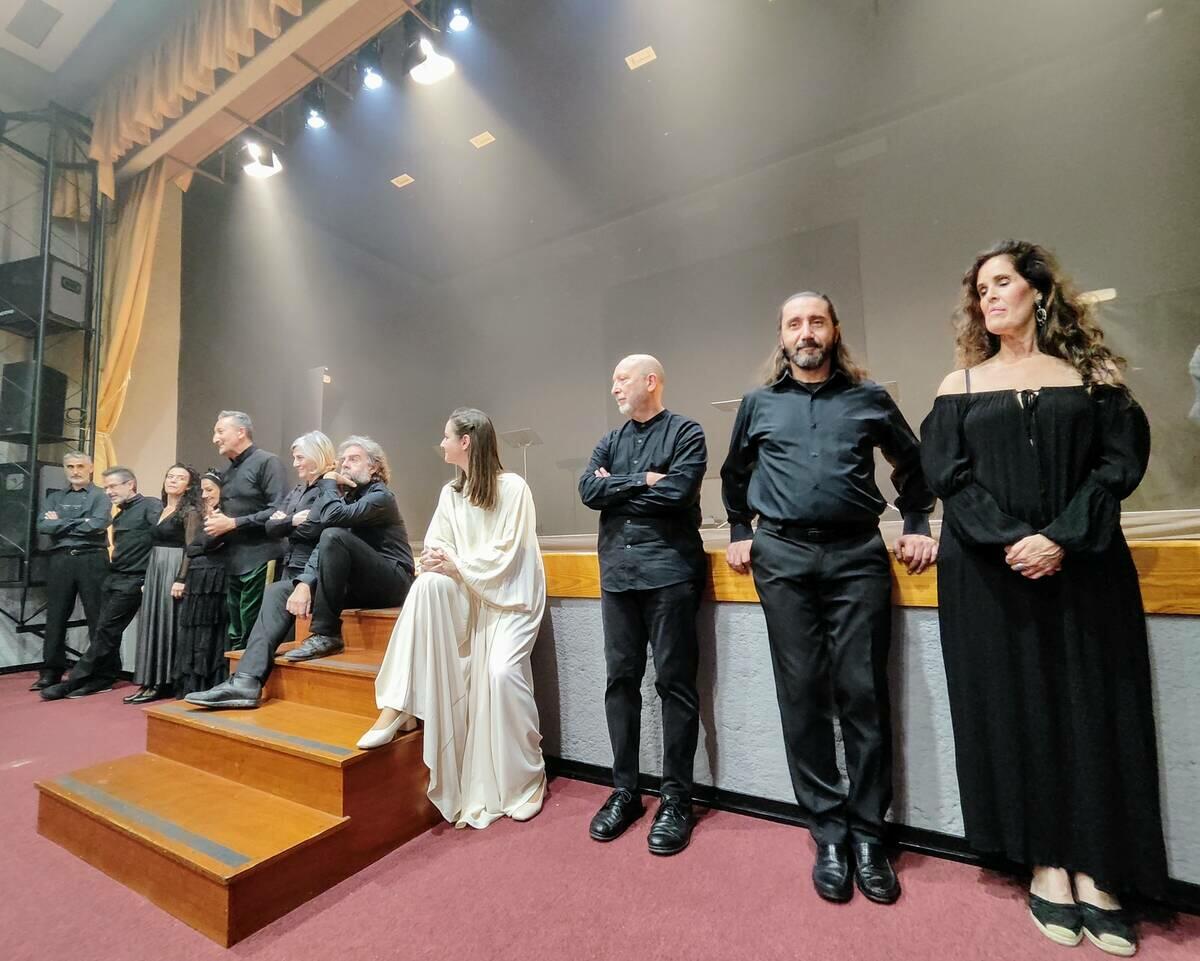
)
(1032, 445)
(459, 655)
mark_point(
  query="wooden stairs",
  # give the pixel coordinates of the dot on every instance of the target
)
(233, 818)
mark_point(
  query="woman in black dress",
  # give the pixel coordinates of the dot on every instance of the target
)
(203, 615)
(1031, 447)
(158, 616)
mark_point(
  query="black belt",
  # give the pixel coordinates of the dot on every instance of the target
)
(76, 551)
(817, 535)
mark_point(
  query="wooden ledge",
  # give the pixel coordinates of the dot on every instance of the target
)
(1169, 572)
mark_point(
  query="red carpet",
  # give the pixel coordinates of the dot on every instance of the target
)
(519, 891)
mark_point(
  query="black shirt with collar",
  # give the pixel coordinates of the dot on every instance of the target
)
(133, 535)
(83, 519)
(302, 538)
(253, 482)
(805, 455)
(649, 536)
(371, 513)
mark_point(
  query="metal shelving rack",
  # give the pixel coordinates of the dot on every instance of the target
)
(50, 325)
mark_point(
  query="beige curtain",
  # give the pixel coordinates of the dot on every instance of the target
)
(177, 70)
(127, 268)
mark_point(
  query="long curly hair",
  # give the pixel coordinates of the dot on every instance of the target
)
(778, 362)
(1069, 333)
(189, 500)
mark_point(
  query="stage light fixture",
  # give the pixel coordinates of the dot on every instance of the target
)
(431, 66)
(259, 161)
(458, 15)
(314, 106)
(370, 65)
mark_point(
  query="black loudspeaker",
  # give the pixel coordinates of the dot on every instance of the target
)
(15, 505)
(16, 401)
(21, 296)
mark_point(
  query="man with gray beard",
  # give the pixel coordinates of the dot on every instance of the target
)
(363, 559)
(802, 458)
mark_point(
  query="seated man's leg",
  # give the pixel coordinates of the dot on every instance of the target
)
(244, 688)
(100, 664)
(350, 573)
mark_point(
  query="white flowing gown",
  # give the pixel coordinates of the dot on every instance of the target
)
(459, 657)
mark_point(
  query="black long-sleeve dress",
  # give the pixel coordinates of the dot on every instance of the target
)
(203, 614)
(1049, 680)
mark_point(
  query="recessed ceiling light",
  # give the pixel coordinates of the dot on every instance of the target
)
(402, 181)
(641, 58)
(481, 140)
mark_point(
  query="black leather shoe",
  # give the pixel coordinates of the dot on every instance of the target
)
(46, 679)
(620, 810)
(135, 697)
(146, 695)
(1109, 929)
(873, 873)
(831, 873)
(241, 690)
(672, 827)
(90, 687)
(56, 692)
(315, 645)
(1061, 923)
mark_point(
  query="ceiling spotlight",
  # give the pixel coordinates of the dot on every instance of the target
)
(259, 161)
(369, 65)
(314, 106)
(430, 66)
(459, 15)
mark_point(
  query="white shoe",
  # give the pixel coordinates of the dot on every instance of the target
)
(385, 735)
(531, 808)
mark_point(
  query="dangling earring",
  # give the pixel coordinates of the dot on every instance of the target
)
(1040, 313)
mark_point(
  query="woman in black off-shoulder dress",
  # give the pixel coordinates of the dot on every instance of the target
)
(1031, 448)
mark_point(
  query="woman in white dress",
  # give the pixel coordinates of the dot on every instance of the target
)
(458, 659)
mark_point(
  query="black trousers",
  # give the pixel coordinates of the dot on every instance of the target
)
(122, 596)
(665, 618)
(350, 573)
(69, 576)
(271, 628)
(828, 611)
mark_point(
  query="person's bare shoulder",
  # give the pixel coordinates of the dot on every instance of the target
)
(954, 382)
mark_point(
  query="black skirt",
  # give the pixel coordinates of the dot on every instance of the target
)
(201, 635)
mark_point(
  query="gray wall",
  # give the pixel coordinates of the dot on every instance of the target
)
(1092, 151)
(741, 741)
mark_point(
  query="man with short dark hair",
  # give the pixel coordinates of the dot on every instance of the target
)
(363, 559)
(76, 521)
(132, 528)
(254, 480)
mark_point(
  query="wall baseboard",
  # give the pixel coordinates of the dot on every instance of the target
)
(1181, 895)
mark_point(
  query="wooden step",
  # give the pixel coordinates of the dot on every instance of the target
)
(342, 682)
(220, 856)
(366, 628)
(291, 749)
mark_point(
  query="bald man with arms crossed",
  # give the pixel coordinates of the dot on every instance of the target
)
(644, 478)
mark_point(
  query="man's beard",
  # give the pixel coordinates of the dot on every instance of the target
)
(361, 477)
(806, 358)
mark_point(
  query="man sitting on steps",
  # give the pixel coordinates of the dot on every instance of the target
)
(361, 560)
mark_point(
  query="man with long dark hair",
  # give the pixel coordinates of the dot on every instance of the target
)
(802, 460)
(644, 478)
(362, 559)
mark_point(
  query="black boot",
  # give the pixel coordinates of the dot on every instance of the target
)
(46, 679)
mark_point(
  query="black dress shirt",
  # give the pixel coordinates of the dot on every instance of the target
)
(804, 454)
(83, 519)
(649, 536)
(254, 481)
(133, 534)
(370, 511)
(301, 539)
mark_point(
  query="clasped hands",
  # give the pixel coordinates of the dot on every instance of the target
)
(434, 560)
(1034, 556)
